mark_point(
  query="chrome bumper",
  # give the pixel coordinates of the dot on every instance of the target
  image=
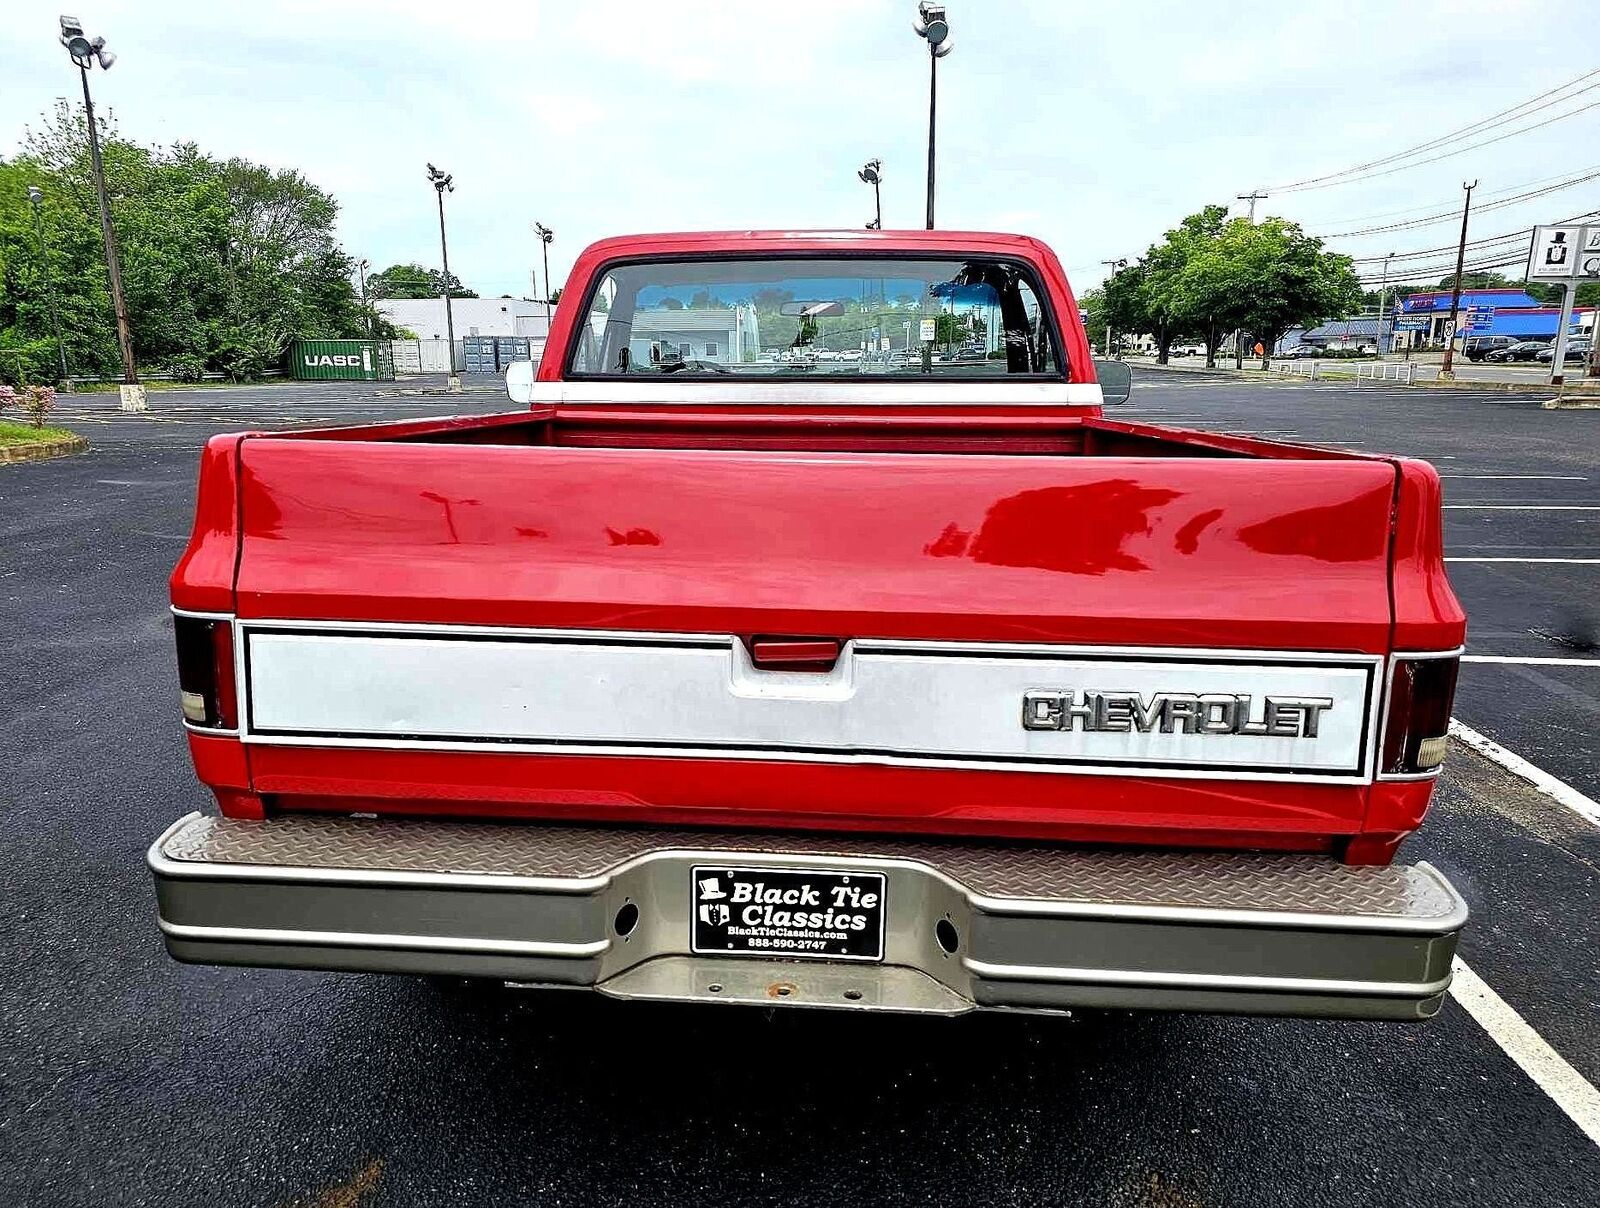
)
(1037, 927)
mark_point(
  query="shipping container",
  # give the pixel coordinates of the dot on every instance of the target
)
(341, 361)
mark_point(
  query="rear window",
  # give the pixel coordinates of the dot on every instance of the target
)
(770, 317)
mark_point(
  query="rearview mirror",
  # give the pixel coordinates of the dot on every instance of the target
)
(1116, 380)
(519, 382)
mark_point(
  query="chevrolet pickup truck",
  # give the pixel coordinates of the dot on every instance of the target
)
(725, 671)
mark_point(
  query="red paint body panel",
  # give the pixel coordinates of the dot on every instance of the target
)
(1235, 553)
(807, 795)
(978, 522)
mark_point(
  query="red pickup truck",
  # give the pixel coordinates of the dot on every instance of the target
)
(810, 636)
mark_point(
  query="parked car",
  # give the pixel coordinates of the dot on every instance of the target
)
(1478, 347)
(1522, 350)
(913, 694)
(1188, 350)
(1577, 350)
(1302, 352)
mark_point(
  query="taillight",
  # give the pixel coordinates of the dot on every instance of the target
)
(205, 671)
(1415, 734)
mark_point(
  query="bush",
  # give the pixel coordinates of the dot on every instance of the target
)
(35, 402)
(187, 367)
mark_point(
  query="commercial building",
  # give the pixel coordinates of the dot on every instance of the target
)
(425, 317)
(713, 333)
(1432, 311)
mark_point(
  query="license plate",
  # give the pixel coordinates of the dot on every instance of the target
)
(786, 912)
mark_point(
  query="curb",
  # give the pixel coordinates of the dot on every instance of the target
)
(39, 450)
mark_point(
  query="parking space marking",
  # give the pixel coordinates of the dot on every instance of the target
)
(1522, 507)
(1569, 1090)
(1561, 561)
(1557, 790)
(1532, 661)
(1523, 477)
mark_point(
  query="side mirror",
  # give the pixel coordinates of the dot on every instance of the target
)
(1116, 380)
(519, 382)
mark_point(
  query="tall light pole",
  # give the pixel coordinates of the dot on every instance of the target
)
(871, 173)
(82, 50)
(546, 235)
(362, 266)
(1383, 288)
(443, 182)
(1120, 262)
(35, 199)
(1446, 370)
(934, 26)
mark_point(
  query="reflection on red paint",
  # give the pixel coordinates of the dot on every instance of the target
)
(1336, 532)
(1080, 530)
(1187, 539)
(633, 536)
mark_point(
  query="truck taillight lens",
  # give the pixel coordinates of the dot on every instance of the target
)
(205, 672)
(1421, 692)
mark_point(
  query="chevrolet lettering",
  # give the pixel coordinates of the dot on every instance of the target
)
(697, 674)
(1174, 713)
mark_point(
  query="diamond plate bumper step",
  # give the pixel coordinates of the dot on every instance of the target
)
(1037, 927)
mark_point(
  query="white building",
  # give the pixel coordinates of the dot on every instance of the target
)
(473, 316)
(716, 333)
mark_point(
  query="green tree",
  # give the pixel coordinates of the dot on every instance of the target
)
(1285, 279)
(224, 262)
(414, 281)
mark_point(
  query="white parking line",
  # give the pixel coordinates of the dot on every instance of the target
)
(1523, 477)
(1563, 561)
(1535, 661)
(1557, 790)
(1569, 1090)
(1522, 507)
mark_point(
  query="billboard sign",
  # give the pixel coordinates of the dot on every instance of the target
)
(1565, 253)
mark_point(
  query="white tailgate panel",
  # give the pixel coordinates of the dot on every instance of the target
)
(881, 703)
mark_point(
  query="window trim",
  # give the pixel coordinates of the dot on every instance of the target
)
(1029, 270)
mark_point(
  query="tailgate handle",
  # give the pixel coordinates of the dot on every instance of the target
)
(794, 654)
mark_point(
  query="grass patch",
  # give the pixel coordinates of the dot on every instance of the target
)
(27, 434)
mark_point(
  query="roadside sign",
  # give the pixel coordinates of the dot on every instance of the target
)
(883, 344)
(1565, 253)
(930, 330)
(1411, 325)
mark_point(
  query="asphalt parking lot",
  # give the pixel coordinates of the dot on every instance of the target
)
(126, 1078)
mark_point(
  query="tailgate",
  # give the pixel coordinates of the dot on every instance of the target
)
(1199, 641)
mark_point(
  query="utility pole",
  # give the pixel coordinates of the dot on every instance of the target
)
(35, 198)
(1121, 262)
(443, 182)
(81, 50)
(366, 315)
(545, 236)
(932, 25)
(1383, 289)
(1446, 370)
(1253, 196)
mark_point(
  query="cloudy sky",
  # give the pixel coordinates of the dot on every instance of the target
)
(1093, 126)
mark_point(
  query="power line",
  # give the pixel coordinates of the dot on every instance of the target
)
(1434, 205)
(1450, 215)
(1446, 268)
(1481, 244)
(1543, 100)
(1462, 150)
